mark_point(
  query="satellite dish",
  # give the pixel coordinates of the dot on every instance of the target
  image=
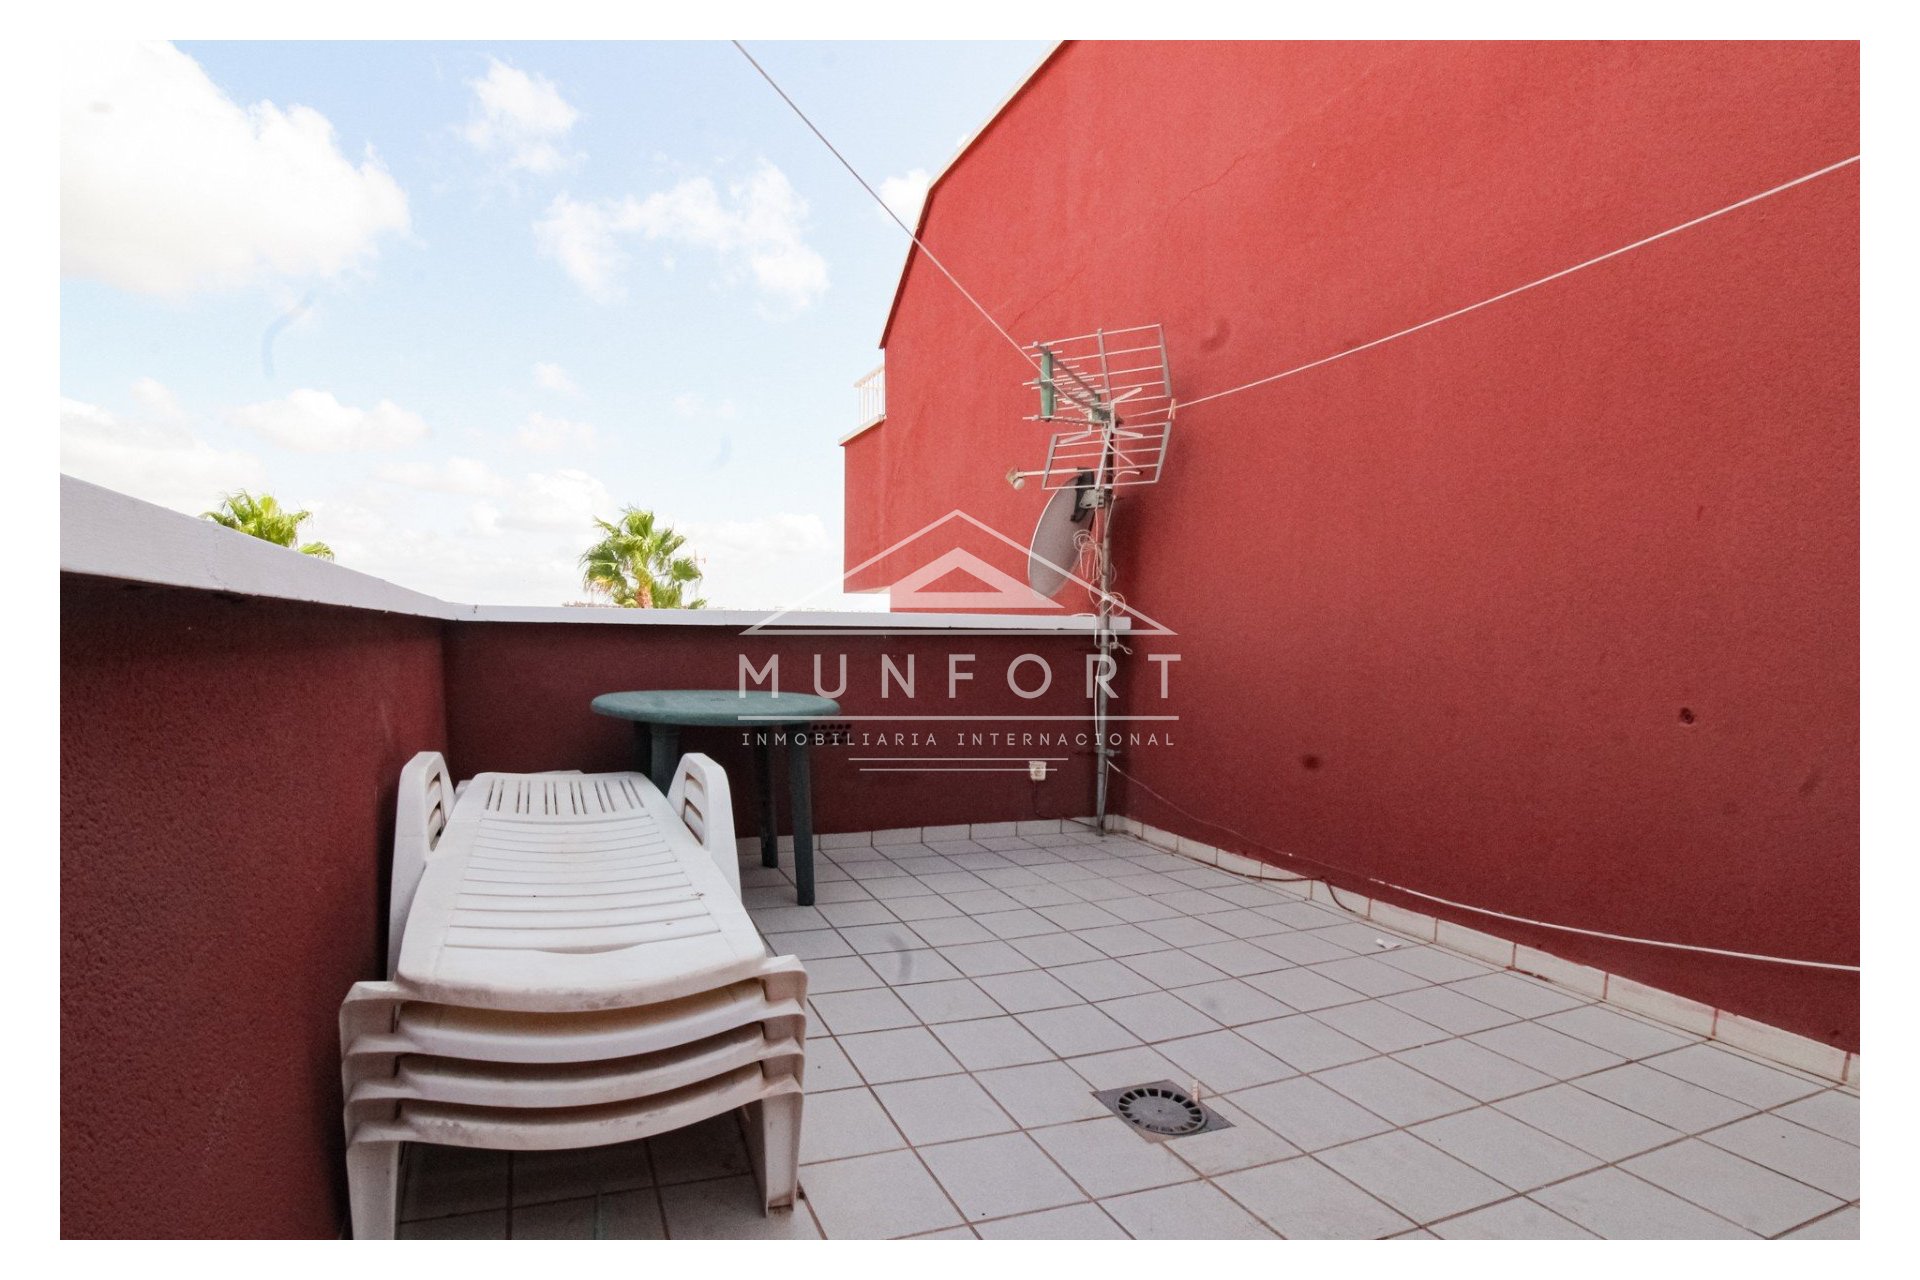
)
(1054, 549)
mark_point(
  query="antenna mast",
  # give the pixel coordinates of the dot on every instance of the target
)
(1089, 380)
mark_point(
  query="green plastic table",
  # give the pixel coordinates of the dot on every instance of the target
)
(659, 714)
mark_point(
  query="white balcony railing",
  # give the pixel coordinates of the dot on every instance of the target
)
(872, 390)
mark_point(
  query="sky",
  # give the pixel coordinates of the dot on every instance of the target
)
(458, 299)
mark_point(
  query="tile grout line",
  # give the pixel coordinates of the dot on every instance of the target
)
(1831, 1213)
(659, 1191)
(1361, 998)
(1018, 1128)
(1170, 847)
(970, 1073)
(1517, 1197)
(1175, 849)
(918, 1159)
(1680, 1138)
(932, 1027)
(510, 1196)
(1313, 1155)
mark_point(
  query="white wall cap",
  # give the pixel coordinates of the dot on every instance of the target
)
(110, 535)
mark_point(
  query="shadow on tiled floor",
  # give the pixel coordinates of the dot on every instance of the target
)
(970, 995)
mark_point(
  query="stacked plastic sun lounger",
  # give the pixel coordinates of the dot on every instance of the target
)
(572, 967)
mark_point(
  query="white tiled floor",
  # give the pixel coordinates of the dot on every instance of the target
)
(969, 996)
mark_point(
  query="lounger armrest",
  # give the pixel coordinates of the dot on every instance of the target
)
(425, 803)
(701, 798)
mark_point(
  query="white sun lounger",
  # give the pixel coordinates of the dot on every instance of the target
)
(378, 1020)
(773, 1109)
(511, 1084)
(572, 967)
(561, 892)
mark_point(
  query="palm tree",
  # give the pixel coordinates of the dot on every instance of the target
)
(264, 518)
(636, 564)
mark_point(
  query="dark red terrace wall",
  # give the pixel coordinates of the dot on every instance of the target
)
(227, 773)
(228, 768)
(518, 695)
(1551, 608)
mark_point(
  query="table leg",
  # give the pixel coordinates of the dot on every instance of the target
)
(769, 819)
(642, 747)
(800, 800)
(666, 754)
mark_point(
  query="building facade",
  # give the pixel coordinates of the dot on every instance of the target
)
(1551, 608)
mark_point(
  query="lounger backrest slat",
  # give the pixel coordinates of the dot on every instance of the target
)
(544, 795)
(436, 808)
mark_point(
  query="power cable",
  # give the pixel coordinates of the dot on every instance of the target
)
(885, 207)
(1484, 911)
(1534, 284)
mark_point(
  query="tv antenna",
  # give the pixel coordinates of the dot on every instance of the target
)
(1112, 393)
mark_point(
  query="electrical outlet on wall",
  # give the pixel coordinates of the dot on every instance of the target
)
(1037, 770)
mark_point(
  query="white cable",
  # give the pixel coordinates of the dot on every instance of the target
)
(1261, 382)
(1616, 937)
(1499, 297)
(1484, 911)
(884, 207)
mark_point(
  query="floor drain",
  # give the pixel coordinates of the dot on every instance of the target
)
(1161, 1110)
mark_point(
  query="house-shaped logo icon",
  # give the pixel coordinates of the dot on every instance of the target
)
(941, 568)
(999, 591)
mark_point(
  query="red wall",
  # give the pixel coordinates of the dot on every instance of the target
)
(867, 517)
(1551, 608)
(228, 768)
(518, 695)
(227, 773)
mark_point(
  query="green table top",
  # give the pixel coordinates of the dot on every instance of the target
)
(714, 707)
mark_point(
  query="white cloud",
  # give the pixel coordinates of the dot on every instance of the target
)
(691, 404)
(905, 194)
(768, 536)
(756, 229)
(568, 499)
(467, 476)
(157, 462)
(543, 433)
(168, 186)
(521, 117)
(314, 422)
(769, 563)
(579, 235)
(385, 537)
(552, 377)
(157, 400)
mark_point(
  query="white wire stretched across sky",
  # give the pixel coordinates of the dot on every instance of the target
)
(884, 206)
(1531, 284)
(1323, 360)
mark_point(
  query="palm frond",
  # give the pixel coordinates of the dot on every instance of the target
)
(635, 563)
(261, 516)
